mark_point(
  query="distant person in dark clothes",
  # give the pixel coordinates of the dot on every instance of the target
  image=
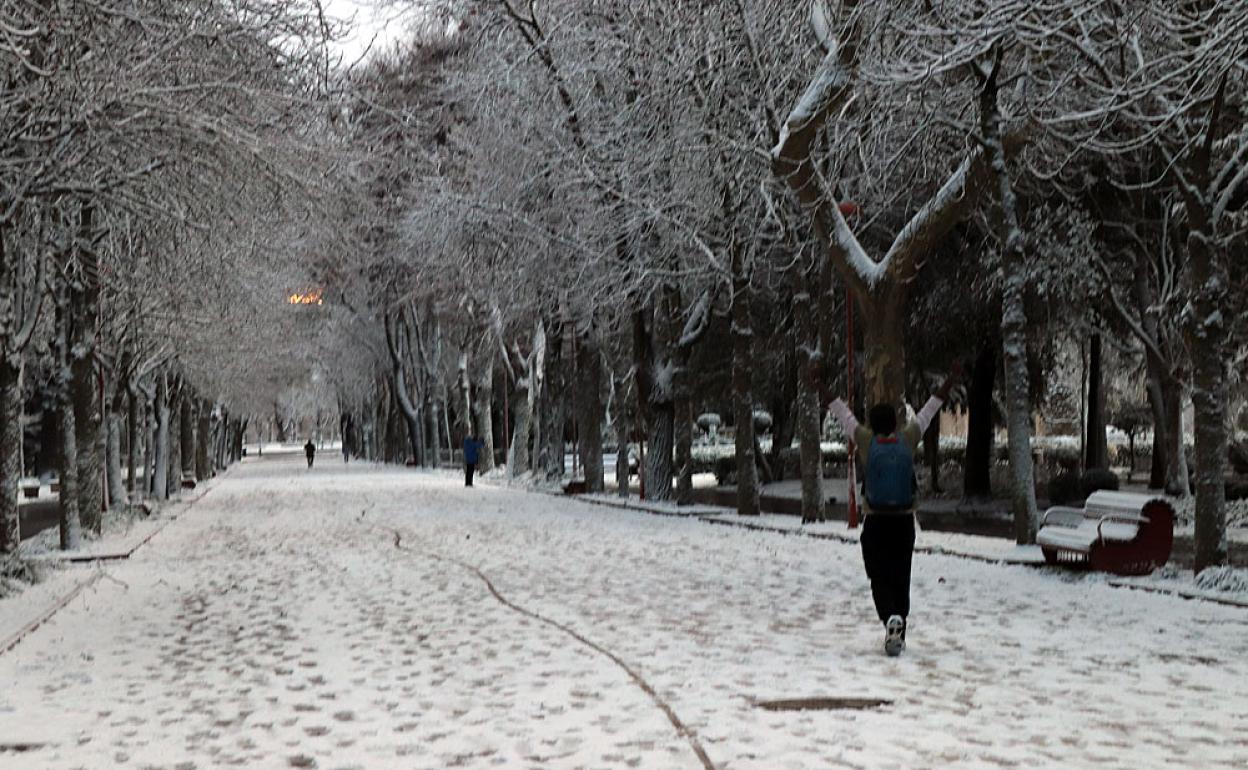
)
(886, 452)
(472, 446)
(309, 449)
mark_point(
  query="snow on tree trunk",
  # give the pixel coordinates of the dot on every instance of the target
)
(977, 460)
(485, 414)
(742, 389)
(526, 435)
(590, 410)
(90, 441)
(1208, 333)
(71, 519)
(116, 484)
(1013, 319)
(10, 445)
(1097, 443)
(463, 402)
(518, 450)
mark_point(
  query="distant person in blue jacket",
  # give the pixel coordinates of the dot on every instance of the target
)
(472, 445)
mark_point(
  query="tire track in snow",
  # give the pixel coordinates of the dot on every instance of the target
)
(681, 728)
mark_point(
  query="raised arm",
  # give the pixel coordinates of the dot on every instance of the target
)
(849, 423)
(932, 407)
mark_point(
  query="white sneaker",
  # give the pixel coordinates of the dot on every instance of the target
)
(895, 636)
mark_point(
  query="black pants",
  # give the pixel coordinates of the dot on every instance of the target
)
(887, 549)
(469, 469)
(309, 461)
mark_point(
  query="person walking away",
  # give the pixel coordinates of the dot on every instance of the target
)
(309, 449)
(472, 446)
(886, 452)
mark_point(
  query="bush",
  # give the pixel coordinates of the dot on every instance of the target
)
(1098, 479)
(1064, 489)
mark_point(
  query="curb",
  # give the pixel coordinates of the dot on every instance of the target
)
(125, 553)
(933, 550)
(43, 617)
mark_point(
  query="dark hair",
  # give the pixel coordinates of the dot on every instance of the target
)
(883, 419)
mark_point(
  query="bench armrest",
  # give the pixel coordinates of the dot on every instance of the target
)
(1125, 518)
(1129, 518)
(1060, 511)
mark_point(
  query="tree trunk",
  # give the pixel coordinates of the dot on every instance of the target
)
(622, 439)
(743, 391)
(90, 441)
(660, 449)
(1013, 321)
(71, 518)
(783, 413)
(931, 454)
(434, 458)
(463, 403)
(159, 467)
(116, 485)
(186, 431)
(590, 411)
(134, 435)
(809, 359)
(682, 409)
(809, 439)
(10, 452)
(485, 414)
(1208, 334)
(518, 452)
(977, 462)
(203, 442)
(1097, 444)
(554, 409)
(173, 479)
(883, 348)
(1176, 467)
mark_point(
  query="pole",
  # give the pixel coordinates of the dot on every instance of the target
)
(851, 475)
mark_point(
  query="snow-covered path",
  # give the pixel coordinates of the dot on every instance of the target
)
(333, 619)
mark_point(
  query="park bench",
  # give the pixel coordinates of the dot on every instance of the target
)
(30, 488)
(1119, 532)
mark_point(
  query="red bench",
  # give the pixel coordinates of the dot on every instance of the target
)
(1119, 532)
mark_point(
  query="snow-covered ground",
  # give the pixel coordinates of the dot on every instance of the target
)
(340, 617)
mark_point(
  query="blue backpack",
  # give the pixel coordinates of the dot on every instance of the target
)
(890, 475)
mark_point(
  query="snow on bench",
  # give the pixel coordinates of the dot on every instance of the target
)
(1120, 532)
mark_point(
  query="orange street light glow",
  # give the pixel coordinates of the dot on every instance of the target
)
(308, 298)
